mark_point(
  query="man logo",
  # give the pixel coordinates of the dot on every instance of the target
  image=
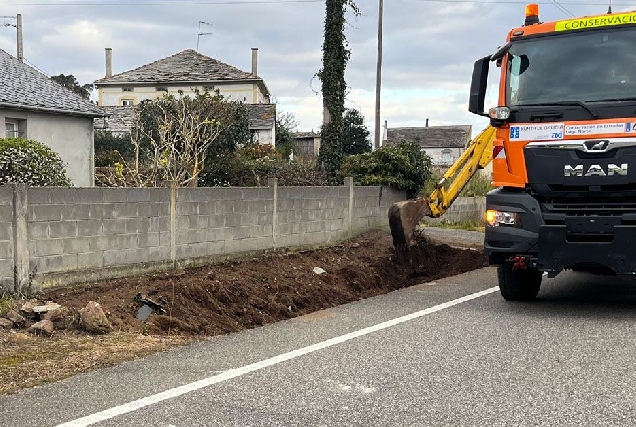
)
(595, 170)
(596, 145)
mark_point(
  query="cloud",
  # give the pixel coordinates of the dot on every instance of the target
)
(429, 48)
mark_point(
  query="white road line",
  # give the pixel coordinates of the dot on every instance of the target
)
(237, 372)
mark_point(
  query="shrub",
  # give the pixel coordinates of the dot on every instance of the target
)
(31, 163)
(403, 166)
(110, 148)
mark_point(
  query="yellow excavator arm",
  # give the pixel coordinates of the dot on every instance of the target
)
(405, 216)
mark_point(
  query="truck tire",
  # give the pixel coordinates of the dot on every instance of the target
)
(519, 284)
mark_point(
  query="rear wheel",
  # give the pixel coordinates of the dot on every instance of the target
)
(518, 284)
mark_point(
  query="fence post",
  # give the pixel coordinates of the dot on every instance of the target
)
(348, 182)
(273, 183)
(172, 185)
(20, 239)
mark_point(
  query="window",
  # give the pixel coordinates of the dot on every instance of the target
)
(127, 102)
(15, 128)
(446, 156)
(127, 89)
(161, 89)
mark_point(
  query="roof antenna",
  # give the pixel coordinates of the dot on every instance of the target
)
(609, 9)
(199, 34)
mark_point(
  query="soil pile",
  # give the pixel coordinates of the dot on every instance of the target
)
(239, 294)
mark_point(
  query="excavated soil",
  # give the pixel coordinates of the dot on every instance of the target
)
(240, 294)
(216, 299)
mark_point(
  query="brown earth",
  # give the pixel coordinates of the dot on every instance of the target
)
(217, 299)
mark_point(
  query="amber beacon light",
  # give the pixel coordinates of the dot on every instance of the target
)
(532, 14)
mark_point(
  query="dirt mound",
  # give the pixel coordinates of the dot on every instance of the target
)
(239, 294)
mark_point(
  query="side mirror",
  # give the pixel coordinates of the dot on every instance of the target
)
(478, 86)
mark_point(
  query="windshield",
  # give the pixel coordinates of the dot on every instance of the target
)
(586, 66)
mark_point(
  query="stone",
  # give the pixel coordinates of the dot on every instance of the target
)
(28, 306)
(318, 270)
(46, 307)
(93, 319)
(60, 317)
(43, 327)
(15, 317)
(5, 323)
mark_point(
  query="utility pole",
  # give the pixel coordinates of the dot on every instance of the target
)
(19, 31)
(378, 82)
(18, 27)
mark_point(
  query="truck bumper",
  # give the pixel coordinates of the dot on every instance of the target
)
(588, 243)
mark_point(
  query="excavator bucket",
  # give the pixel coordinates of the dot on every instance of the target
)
(403, 219)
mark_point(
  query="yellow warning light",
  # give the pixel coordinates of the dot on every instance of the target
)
(532, 9)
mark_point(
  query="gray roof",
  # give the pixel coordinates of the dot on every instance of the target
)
(25, 88)
(306, 135)
(433, 136)
(121, 119)
(262, 116)
(185, 66)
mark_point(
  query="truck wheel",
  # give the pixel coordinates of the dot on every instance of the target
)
(518, 285)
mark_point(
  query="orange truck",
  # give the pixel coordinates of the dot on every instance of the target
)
(564, 150)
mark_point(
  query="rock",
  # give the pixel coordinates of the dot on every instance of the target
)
(28, 306)
(15, 317)
(60, 317)
(319, 270)
(46, 307)
(44, 327)
(93, 319)
(5, 323)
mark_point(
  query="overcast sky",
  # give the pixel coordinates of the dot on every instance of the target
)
(429, 46)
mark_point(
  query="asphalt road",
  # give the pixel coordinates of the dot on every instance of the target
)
(566, 359)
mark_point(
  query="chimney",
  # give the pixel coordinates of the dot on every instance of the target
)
(109, 62)
(255, 61)
(427, 122)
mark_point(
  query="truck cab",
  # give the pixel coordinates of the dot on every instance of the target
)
(564, 154)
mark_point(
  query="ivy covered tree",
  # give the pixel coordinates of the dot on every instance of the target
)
(355, 135)
(31, 163)
(403, 166)
(332, 76)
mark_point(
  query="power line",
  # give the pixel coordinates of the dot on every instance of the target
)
(153, 2)
(563, 9)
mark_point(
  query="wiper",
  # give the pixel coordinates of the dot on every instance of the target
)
(557, 103)
(629, 98)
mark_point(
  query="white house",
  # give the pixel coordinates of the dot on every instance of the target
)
(33, 106)
(185, 72)
(443, 144)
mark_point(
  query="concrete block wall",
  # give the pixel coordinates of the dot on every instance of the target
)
(58, 236)
(6, 239)
(212, 221)
(463, 209)
(75, 229)
(311, 215)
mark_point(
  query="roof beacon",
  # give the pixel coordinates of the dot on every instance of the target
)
(532, 14)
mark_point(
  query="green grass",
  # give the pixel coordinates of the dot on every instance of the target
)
(478, 185)
(6, 303)
(462, 225)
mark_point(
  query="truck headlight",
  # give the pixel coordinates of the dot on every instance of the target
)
(502, 219)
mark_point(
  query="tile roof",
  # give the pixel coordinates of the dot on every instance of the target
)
(121, 119)
(433, 136)
(305, 135)
(185, 66)
(23, 87)
(262, 116)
